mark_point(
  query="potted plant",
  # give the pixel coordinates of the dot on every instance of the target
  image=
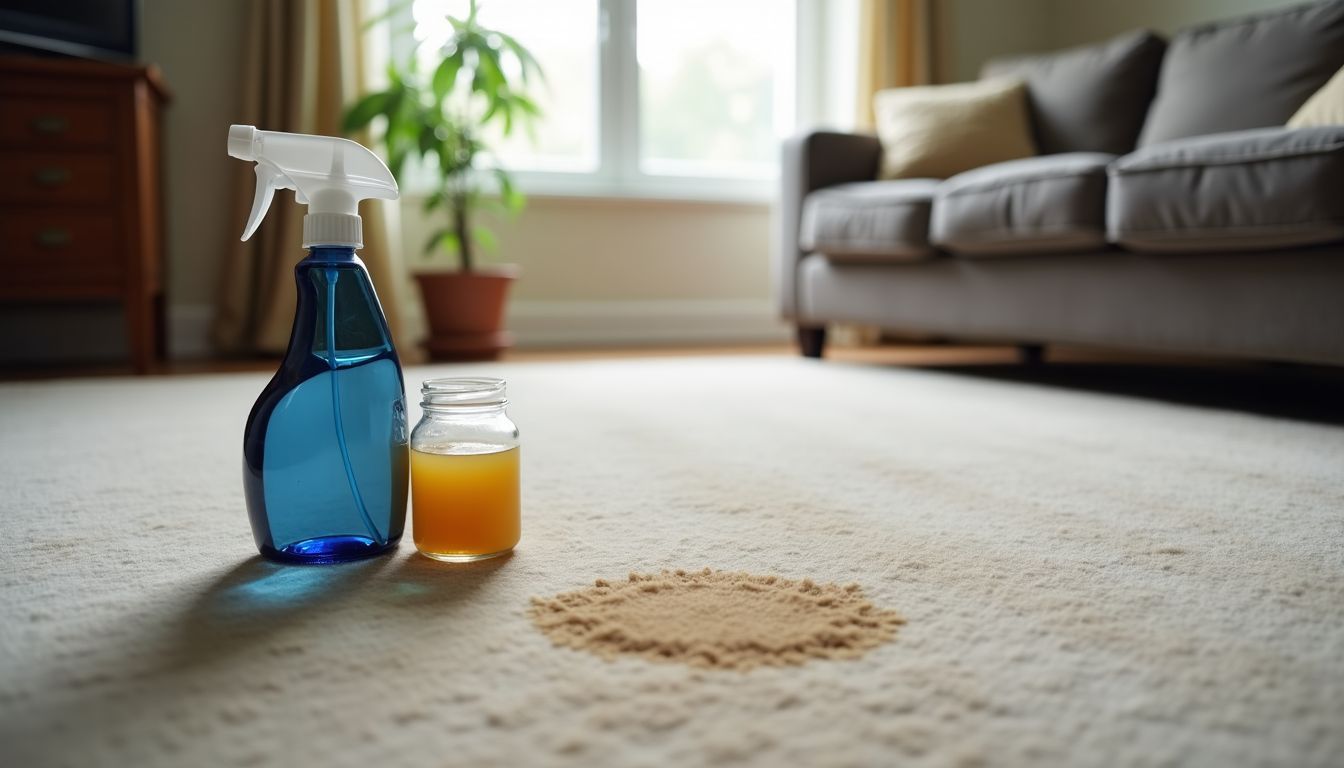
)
(436, 118)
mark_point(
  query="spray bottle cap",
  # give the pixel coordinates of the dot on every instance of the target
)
(330, 175)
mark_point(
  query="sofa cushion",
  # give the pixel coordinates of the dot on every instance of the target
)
(936, 131)
(1088, 99)
(1251, 72)
(1266, 188)
(1036, 205)
(871, 221)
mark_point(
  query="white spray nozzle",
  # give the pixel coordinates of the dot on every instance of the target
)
(328, 174)
(241, 138)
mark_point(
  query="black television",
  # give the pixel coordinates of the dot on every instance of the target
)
(92, 29)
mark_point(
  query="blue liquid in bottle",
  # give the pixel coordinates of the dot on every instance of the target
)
(324, 451)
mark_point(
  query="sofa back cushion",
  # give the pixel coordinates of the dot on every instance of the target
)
(1251, 72)
(1088, 99)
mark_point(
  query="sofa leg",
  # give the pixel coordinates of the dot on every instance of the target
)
(811, 341)
(1031, 354)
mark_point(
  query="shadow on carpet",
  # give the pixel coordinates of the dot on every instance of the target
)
(1302, 393)
(257, 598)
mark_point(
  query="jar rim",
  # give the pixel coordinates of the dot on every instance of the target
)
(473, 391)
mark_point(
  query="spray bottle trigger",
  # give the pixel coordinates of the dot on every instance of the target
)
(269, 179)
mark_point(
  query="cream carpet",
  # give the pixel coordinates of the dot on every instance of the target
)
(1088, 579)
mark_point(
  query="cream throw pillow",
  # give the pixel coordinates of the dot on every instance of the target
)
(937, 131)
(1325, 107)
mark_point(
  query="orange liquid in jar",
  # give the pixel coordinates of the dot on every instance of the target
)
(465, 504)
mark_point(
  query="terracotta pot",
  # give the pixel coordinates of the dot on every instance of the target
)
(465, 311)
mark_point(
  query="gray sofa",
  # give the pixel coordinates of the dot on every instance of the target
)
(1170, 209)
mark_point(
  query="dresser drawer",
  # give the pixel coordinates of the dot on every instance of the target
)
(46, 249)
(56, 177)
(43, 122)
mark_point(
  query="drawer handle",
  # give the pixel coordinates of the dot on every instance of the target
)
(53, 237)
(51, 125)
(52, 177)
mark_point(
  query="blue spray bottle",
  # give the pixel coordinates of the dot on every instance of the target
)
(324, 451)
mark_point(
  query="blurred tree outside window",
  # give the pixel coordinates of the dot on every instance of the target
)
(639, 91)
(713, 80)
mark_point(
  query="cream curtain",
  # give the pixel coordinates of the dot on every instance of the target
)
(304, 61)
(896, 49)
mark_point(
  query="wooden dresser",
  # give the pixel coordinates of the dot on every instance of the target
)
(81, 214)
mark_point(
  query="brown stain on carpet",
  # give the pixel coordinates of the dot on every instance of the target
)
(716, 619)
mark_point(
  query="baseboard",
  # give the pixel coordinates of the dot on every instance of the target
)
(559, 323)
(189, 331)
(95, 332)
(718, 321)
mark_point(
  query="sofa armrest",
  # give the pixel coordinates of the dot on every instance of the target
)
(812, 161)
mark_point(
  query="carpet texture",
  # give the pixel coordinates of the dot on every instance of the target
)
(1087, 579)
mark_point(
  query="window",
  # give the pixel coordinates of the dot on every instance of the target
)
(684, 98)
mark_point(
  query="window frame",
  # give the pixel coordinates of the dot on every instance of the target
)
(618, 173)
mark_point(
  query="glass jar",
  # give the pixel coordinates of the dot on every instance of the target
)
(465, 496)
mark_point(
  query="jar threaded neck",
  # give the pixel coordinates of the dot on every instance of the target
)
(461, 393)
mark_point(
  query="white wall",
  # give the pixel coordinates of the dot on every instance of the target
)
(1075, 22)
(199, 47)
(969, 32)
(630, 271)
(972, 31)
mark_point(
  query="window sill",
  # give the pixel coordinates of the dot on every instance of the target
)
(579, 187)
(702, 193)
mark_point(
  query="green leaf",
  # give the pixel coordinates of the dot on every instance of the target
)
(527, 63)
(428, 139)
(396, 98)
(393, 111)
(433, 241)
(395, 162)
(513, 199)
(403, 130)
(433, 201)
(445, 75)
(528, 106)
(490, 112)
(444, 238)
(364, 110)
(488, 64)
(452, 243)
(485, 237)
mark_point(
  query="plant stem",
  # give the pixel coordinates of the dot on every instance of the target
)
(463, 232)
